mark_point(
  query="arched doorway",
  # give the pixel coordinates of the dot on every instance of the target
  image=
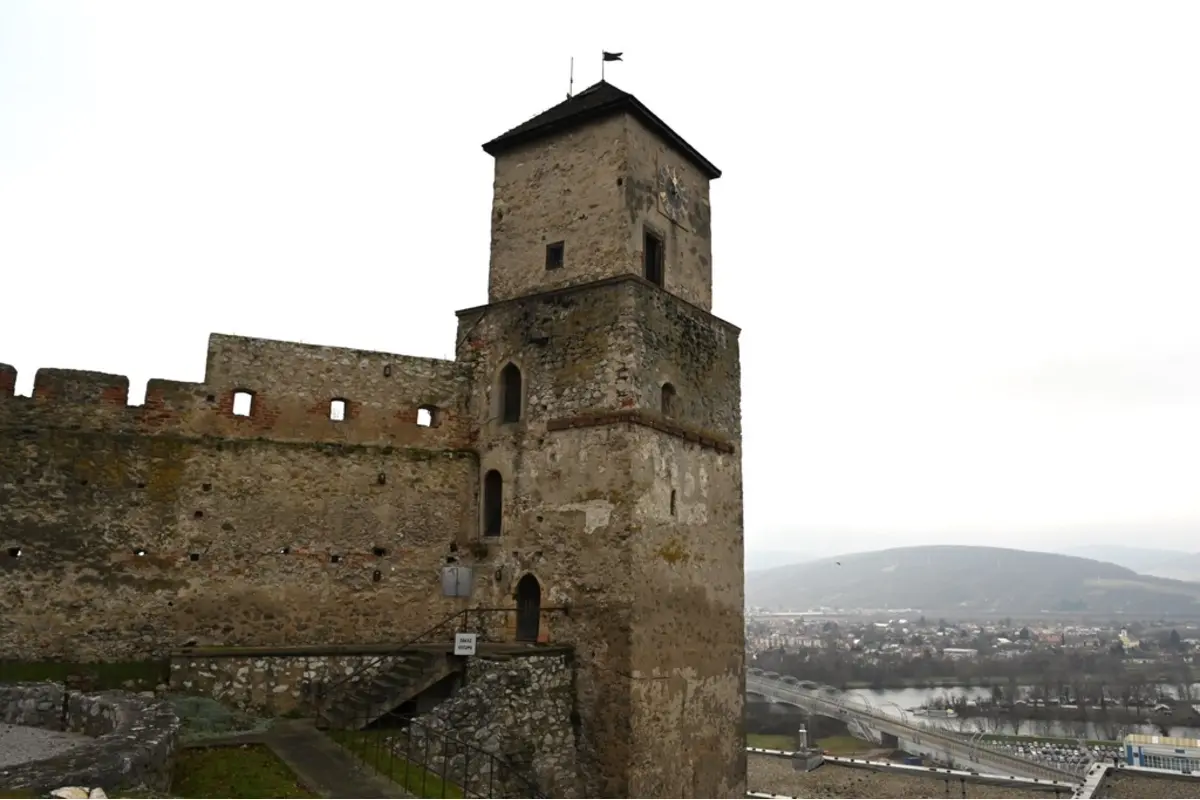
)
(529, 608)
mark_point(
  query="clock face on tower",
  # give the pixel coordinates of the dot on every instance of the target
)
(672, 196)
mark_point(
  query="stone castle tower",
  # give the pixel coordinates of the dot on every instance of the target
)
(580, 459)
(612, 425)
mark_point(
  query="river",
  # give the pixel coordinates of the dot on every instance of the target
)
(896, 702)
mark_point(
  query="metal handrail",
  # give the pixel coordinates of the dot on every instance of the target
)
(373, 752)
(445, 627)
(929, 731)
(460, 621)
(332, 691)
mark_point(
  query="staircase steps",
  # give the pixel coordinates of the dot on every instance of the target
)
(401, 678)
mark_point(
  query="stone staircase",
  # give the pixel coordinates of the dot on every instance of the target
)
(400, 678)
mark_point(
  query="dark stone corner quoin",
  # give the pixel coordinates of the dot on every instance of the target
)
(134, 739)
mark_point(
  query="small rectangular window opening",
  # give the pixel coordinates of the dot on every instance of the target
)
(672, 502)
(337, 410)
(652, 257)
(425, 416)
(243, 402)
(554, 255)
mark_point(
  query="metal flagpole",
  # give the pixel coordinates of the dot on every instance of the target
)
(571, 85)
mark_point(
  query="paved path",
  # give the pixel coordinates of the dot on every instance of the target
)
(319, 762)
(19, 744)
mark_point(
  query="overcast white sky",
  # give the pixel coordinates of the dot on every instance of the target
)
(961, 238)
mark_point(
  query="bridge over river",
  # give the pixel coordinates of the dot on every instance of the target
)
(913, 736)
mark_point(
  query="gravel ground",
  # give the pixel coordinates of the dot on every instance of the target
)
(19, 744)
(1125, 784)
(776, 776)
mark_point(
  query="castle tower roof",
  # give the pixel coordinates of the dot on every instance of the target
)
(596, 102)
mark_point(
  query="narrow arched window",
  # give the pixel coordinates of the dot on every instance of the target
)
(668, 400)
(493, 503)
(510, 394)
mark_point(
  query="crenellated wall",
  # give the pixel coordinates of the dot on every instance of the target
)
(128, 530)
(292, 386)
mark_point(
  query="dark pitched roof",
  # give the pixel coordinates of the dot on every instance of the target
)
(594, 103)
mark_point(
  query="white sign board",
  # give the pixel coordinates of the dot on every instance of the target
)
(464, 644)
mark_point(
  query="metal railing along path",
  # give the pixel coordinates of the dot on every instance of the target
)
(489, 624)
(976, 751)
(1057, 787)
(428, 761)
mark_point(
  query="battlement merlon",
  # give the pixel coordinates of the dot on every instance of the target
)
(8, 380)
(80, 387)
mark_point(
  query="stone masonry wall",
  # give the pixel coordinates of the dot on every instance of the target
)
(595, 189)
(588, 474)
(270, 684)
(36, 705)
(687, 238)
(128, 531)
(134, 739)
(539, 197)
(520, 709)
(565, 492)
(688, 642)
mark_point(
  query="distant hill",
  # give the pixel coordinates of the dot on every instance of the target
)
(958, 579)
(1148, 561)
(1184, 568)
(765, 559)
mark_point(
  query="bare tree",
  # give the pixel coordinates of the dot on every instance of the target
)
(995, 718)
(1016, 717)
(1106, 728)
(1125, 690)
(1140, 691)
(1185, 689)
